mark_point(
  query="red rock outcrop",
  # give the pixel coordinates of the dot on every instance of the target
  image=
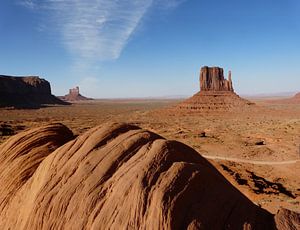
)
(212, 79)
(216, 94)
(116, 176)
(74, 95)
(26, 92)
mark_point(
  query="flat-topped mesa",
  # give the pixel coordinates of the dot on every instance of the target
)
(26, 92)
(212, 79)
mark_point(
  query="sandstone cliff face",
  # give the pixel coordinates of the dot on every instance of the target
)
(116, 176)
(212, 79)
(25, 92)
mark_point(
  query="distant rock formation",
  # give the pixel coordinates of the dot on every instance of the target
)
(118, 176)
(26, 92)
(74, 95)
(216, 93)
(292, 100)
(212, 79)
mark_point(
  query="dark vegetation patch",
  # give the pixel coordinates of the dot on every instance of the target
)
(264, 186)
(6, 130)
(235, 175)
(257, 184)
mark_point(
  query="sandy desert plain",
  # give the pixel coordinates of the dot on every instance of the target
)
(257, 151)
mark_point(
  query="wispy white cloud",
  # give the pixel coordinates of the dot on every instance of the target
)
(27, 3)
(170, 4)
(95, 30)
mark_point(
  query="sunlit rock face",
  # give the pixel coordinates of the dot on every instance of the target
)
(212, 79)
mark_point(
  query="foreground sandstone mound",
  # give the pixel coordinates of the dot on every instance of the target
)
(26, 92)
(74, 95)
(116, 176)
(216, 94)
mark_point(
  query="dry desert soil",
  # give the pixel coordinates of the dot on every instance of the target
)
(258, 151)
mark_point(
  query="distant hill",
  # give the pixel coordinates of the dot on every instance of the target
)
(289, 100)
(269, 95)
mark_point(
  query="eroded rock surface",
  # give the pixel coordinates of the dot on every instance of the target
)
(287, 220)
(115, 176)
(212, 79)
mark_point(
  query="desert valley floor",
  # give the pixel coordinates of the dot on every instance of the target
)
(258, 152)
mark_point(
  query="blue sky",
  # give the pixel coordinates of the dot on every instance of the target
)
(141, 48)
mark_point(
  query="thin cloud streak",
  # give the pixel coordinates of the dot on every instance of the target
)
(170, 4)
(96, 30)
(27, 3)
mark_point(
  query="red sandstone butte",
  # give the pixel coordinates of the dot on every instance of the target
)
(74, 95)
(216, 93)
